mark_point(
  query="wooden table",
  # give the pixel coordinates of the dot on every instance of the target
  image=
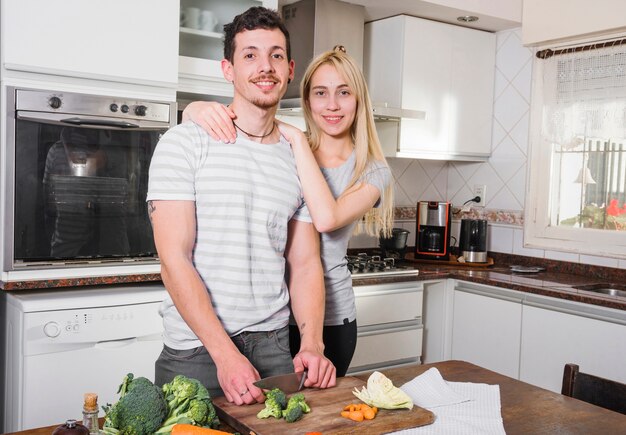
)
(526, 409)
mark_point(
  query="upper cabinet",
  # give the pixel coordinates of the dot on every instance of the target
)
(201, 42)
(447, 71)
(118, 40)
(561, 20)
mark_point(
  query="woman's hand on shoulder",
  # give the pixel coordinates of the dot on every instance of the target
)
(294, 135)
(215, 118)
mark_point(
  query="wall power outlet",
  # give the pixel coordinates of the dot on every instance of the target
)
(480, 190)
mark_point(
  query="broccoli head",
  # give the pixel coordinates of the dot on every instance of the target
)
(140, 410)
(189, 402)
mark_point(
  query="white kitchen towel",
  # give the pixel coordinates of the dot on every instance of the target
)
(480, 415)
(430, 390)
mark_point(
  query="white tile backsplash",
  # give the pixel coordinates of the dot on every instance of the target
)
(562, 256)
(500, 238)
(518, 246)
(599, 261)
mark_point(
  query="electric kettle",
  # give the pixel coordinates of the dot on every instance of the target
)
(473, 240)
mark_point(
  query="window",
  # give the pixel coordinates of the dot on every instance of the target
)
(576, 199)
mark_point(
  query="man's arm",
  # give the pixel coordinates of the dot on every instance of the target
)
(174, 226)
(307, 293)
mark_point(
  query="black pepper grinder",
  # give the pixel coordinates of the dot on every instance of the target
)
(71, 427)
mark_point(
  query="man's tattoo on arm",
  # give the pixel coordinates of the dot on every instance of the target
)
(151, 209)
(301, 329)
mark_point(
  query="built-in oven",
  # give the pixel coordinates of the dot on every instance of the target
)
(76, 177)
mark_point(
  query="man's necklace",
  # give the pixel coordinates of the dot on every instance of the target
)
(255, 135)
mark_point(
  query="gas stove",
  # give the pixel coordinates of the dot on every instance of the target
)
(367, 266)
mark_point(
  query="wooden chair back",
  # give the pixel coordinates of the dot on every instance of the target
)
(593, 389)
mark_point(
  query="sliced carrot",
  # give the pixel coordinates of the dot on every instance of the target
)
(369, 414)
(356, 416)
(345, 414)
(375, 409)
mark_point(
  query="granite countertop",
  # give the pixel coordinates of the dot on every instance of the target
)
(559, 280)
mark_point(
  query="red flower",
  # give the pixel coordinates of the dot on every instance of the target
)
(613, 208)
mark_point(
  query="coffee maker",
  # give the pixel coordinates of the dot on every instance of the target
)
(432, 233)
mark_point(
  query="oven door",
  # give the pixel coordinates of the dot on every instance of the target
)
(76, 189)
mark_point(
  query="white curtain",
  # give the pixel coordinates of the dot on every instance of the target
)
(584, 96)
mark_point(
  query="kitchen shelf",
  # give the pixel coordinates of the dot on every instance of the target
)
(201, 33)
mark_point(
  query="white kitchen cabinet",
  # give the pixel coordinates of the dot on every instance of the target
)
(389, 320)
(437, 320)
(117, 40)
(201, 51)
(442, 69)
(486, 327)
(575, 19)
(556, 332)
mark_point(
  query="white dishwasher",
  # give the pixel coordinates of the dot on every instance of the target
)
(60, 344)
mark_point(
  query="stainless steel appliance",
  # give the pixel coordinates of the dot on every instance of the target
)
(76, 177)
(432, 240)
(316, 26)
(368, 266)
(473, 240)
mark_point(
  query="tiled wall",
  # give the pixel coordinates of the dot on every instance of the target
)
(504, 173)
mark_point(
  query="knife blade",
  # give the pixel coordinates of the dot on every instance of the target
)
(289, 383)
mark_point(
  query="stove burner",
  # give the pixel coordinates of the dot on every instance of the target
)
(364, 264)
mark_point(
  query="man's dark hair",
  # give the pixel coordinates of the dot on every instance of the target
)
(256, 17)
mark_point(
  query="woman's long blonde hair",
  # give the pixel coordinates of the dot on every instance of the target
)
(363, 132)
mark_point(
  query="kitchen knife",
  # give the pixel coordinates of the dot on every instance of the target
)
(287, 383)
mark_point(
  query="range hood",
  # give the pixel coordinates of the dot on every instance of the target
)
(316, 26)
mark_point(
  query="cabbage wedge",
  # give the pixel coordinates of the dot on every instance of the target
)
(381, 392)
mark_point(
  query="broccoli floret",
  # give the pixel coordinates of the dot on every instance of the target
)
(200, 412)
(292, 414)
(275, 402)
(189, 402)
(140, 410)
(296, 408)
(278, 396)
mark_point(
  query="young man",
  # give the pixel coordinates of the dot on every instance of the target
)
(229, 221)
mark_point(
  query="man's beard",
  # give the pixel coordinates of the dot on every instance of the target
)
(266, 102)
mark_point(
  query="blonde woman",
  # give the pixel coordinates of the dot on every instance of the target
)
(344, 175)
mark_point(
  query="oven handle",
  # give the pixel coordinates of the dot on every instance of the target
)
(99, 122)
(62, 118)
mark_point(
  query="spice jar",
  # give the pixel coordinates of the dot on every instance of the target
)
(71, 427)
(90, 413)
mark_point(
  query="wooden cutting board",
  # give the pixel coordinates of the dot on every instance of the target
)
(324, 417)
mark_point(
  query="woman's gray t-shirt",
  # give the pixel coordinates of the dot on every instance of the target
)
(340, 306)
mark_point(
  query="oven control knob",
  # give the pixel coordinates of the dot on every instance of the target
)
(113, 107)
(54, 102)
(140, 110)
(124, 108)
(52, 329)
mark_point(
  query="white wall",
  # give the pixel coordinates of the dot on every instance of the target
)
(559, 20)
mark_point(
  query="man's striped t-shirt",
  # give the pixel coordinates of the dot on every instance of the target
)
(245, 194)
